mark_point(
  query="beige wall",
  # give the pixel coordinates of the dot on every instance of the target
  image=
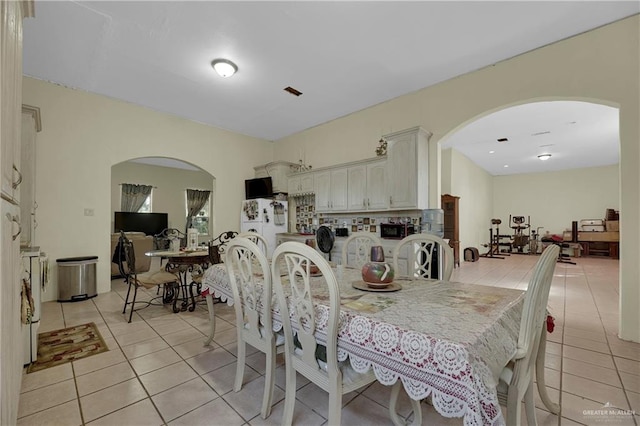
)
(168, 194)
(599, 66)
(554, 199)
(83, 135)
(474, 186)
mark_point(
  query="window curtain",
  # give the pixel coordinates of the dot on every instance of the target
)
(133, 196)
(196, 200)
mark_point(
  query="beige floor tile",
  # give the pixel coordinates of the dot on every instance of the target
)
(592, 372)
(590, 357)
(362, 410)
(97, 362)
(194, 347)
(142, 413)
(634, 401)
(183, 398)
(302, 415)
(46, 397)
(143, 348)
(211, 360)
(108, 400)
(630, 382)
(627, 365)
(626, 350)
(318, 400)
(248, 401)
(154, 361)
(123, 328)
(588, 344)
(67, 414)
(224, 415)
(183, 336)
(167, 377)
(104, 378)
(594, 391)
(281, 378)
(222, 379)
(46, 377)
(597, 337)
(225, 337)
(173, 325)
(136, 337)
(380, 394)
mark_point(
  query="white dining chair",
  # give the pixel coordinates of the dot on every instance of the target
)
(257, 239)
(303, 354)
(420, 249)
(362, 242)
(516, 379)
(247, 266)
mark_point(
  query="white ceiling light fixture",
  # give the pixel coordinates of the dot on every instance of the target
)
(544, 157)
(224, 67)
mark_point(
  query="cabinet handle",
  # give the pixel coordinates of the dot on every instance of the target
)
(364, 202)
(19, 181)
(17, 221)
(368, 202)
(390, 200)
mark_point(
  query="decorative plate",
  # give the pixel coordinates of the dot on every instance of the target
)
(361, 285)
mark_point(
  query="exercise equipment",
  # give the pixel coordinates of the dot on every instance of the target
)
(495, 242)
(520, 233)
(533, 241)
(471, 254)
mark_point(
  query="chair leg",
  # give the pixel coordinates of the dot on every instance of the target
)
(335, 407)
(514, 407)
(393, 403)
(212, 319)
(242, 350)
(126, 301)
(133, 302)
(530, 406)
(290, 394)
(267, 398)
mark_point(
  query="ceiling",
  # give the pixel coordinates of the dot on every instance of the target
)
(343, 56)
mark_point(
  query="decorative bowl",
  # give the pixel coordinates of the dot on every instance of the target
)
(377, 274)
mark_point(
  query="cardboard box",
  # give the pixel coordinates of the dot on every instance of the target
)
(612, 225)
(599, 236)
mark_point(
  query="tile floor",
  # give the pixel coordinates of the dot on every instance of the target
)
(158, 372)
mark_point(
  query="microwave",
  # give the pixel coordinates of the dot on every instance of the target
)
(396, 231)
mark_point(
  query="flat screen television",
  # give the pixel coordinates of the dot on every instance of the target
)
(258, 188)
(149, 223)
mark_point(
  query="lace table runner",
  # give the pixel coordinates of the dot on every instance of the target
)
(447, 340)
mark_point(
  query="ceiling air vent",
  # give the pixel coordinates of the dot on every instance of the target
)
(503, 140)
(292, 91)
(546, 132)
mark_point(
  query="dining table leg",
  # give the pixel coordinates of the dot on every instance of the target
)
(393, 412)
(212, 318)
(542, 388)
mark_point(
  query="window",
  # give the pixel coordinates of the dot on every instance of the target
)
(200, 219)
(146, 206)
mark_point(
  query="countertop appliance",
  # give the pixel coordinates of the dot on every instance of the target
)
(396, 231)
(35, 270)
(266, 217)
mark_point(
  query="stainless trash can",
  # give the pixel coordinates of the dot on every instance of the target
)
(76, 278)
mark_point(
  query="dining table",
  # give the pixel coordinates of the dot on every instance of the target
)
(186, 264)
(447, 340)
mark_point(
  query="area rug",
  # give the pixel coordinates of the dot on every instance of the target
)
(66, 345)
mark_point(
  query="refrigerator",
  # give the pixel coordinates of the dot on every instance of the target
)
(266, 217)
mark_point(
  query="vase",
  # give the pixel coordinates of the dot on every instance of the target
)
(377, 273)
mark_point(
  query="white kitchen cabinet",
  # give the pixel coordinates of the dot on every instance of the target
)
(407, 169)
(331, 190)
(30, 126)
(367, 189)
(301, 183)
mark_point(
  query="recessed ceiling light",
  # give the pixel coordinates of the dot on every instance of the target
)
(492, 152)
(544, 157)
(506, 165)
(224, 67)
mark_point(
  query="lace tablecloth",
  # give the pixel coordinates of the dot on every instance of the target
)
(444, 339)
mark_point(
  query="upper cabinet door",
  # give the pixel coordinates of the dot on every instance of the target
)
(407, 169)
(357, 187)
(322, 183)
(377, 198)
(339, 199)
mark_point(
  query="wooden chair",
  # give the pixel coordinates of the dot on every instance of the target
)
(257, 239)
(363, 242)
(247, 266)
(300, 354)
(516, 379)
(127, 265)
(420, 249)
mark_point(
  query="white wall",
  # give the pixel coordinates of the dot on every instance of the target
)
(599, 66)
(554, 199)
(83, 135)
(169, 188)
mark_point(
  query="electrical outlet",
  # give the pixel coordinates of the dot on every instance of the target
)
(88, 212)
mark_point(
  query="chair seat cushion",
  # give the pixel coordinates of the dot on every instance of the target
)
(153, 279)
